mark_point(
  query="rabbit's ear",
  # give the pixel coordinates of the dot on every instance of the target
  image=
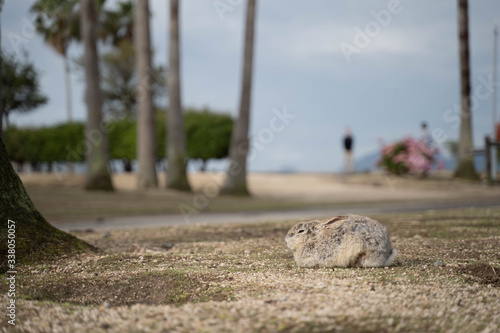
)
(335, 219)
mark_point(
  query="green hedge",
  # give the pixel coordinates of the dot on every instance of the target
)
(208, 136)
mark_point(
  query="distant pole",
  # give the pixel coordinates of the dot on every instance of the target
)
(489, 160)
(493, 136)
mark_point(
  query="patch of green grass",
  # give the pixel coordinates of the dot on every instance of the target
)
(119, 284)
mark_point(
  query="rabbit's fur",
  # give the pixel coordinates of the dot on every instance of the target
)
(342, 241)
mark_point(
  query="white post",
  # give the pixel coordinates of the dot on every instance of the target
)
(493, 137)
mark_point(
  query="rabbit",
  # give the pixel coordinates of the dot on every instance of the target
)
(341, 241)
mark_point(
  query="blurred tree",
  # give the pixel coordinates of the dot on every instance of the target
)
(62, 143)
(34, 150)
(236, 183)
(176, 151)
(122, 141)
(36, 239)
(59, 143)
(117, 25)
(161, 134)
(14, 144)
(71, 138)
(119, 82)
(97, 155)
(146, 146)
(66, 142)
(208, 135)
(465, 166)
(59, 25)
(24, 93)
(23, 145)
(452, 147)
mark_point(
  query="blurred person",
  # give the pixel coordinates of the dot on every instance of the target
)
(348, 145)
(426, 138)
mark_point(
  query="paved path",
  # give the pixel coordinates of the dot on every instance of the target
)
(135, 222)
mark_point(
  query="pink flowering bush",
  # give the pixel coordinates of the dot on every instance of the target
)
(408, 156)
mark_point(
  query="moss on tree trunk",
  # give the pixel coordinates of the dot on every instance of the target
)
(35, 238)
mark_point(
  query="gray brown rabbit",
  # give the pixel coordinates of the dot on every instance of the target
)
(342, 241)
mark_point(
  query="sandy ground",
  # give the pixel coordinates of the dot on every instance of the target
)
(310, 187)
(242, 278)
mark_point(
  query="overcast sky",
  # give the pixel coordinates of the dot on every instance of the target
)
(376, 66)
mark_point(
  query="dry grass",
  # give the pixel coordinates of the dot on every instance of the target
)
(242, 278)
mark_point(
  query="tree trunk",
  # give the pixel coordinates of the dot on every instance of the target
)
(35, 238)
(176, 146)
(97, 156)
(146, 143)
(465, 167)
(67, 79)
(1, 63)
(236, 183)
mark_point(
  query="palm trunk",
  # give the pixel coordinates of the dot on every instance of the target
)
(176, 146)
(1, 62)
(146, 143)
(67, 81)
(236, 183)
(36, 239)
(465, 167)
(97, 156)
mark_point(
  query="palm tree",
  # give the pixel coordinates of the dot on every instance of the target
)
(59, 25)
(146, 143)
(176, 146)
(117, 25)
(465, 167)
(236, 183)
(97, 156)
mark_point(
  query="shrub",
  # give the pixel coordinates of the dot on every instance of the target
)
(408, 156)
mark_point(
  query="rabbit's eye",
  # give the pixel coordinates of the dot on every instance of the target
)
(301, 231)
